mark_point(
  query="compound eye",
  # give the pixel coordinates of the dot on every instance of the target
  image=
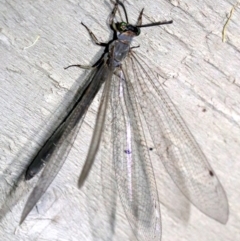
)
(121, 27)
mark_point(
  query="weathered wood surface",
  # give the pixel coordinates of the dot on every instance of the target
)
(201, 74)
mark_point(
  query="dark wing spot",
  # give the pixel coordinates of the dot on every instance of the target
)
(127, 151)
(211, 173)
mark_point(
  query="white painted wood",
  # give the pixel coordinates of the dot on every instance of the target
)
(201, 73)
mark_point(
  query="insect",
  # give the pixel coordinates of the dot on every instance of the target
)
(136, 103)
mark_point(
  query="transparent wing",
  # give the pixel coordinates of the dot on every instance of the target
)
(176, 147)
(52, 168)
(98, 128)
(109, 188)
(134, 174)
(102, 199)
(63, 144)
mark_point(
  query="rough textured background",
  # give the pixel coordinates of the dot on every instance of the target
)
(201, 74)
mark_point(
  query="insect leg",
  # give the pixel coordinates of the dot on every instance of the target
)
(81, 66)
(112, 16)
(139, 21)
(94, 38)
